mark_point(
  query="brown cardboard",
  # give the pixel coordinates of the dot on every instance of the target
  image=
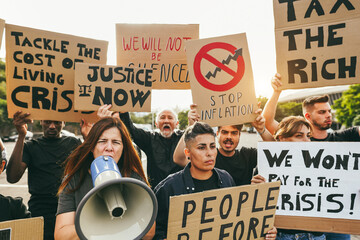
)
(317, 65)
(33, 53)
(157, 46)
(210, 212)
(2, 26)
(23, 229)
(221, 79)
(126, 89)
(318, 224)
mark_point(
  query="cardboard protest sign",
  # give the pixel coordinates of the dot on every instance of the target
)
(221, 79)
(125, 88)
(157, 46)
(40, 72)
(319, 184)
(317, 42)
(22, 229)
(2, 26)
(245, 212)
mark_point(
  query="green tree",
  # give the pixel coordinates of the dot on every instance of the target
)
(142, 119)
(288, 109)
(5, 122)
(348, 106)
(356, 121)
(183, 119)
(262, 101)
(283, 109)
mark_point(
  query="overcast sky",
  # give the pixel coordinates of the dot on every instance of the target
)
(97, 19)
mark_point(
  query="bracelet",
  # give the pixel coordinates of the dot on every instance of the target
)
(262, 132)
(3, 154)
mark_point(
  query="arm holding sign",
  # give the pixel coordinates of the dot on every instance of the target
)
(140, 137)
(85, 128)
(258, 179)
(16, 166)
(179, 155)
(271, 234)
(259, 125)
(270, 107)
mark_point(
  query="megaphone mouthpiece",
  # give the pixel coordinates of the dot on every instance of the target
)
(114, 200)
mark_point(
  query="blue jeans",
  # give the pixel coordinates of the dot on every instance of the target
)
(337, 236)
(299, 236)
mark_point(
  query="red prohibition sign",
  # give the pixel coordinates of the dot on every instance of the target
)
(203, 54)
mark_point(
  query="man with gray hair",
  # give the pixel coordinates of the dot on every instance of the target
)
(159, 146)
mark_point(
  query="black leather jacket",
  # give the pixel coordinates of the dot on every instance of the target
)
(159, 150)
(177, 184)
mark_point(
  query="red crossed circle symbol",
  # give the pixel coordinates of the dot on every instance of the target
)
(203, 54)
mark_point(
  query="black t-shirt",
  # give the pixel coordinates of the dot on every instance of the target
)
(205, 185)
(240, 166)
(44, 159)
(346, 135)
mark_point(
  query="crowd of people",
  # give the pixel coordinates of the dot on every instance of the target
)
(178, 162)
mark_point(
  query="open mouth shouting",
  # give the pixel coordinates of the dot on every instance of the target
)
(166, 130)
(228, 143)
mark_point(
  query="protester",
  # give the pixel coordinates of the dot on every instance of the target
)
(43, 157)
(108, 137)
(10, 208)
(239, 163)
(159, 145)
(198, 175)
(317, 112)
(293, 129)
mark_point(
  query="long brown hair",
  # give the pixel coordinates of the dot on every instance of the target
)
(81, 158)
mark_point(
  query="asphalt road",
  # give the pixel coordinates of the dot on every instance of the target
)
(20, 189)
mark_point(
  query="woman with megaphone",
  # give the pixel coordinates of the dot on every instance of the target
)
(109, 207)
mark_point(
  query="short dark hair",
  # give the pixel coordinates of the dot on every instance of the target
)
(199, 128)
(238, 127)
(310, 101)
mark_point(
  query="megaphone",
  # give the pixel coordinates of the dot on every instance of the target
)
(117, 207)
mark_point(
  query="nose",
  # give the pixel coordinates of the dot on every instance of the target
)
(328, 114)
(210, 152)
(52, 125)
(108, 147)
(306, 139)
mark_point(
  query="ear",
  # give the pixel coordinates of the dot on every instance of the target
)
(177, 123)
(307, 116)
(187, 152)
